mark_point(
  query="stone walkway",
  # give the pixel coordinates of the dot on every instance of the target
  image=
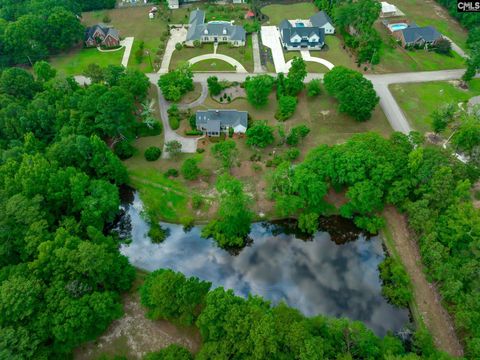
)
(235, 63)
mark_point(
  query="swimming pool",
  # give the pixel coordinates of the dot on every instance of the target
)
(398, 26)
(299, 24)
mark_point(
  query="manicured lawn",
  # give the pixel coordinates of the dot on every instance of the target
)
(394, 58)
(277, 13)
(242, 54)
(418, 101)
(312, 66)
(212, 65)
(77, 60)
(430, 12)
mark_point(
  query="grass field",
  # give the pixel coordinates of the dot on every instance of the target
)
(169, 199)
(77, 60)
(277, 13)
(419, 100)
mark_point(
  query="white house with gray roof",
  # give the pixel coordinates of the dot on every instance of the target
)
(306, 34)
(215, 122)
(213, 31)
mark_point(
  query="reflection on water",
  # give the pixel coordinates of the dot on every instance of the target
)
(316, 276)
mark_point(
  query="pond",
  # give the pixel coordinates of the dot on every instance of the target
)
(333, 273)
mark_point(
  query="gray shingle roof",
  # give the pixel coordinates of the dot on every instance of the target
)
(288, 31)
(414, 33)
(320, 19)
(214, 28)
(213, 119)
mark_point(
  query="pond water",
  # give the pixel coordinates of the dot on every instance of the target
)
(333, 273)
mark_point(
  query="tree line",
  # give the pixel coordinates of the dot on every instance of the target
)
(60, 275)
(32, 30)
(235, 328)
(426, 182)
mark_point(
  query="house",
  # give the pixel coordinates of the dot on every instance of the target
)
(213, 31)
(388, 10)
(101, 35)
(323, 21)
(215, 122)
(414, 35)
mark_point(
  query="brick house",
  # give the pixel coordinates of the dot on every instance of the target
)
(103, 36)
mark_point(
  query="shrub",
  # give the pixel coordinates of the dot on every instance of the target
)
(106, 19)
(190, 169)
(200, 150)
(314, 88)
(178, 46)
(286, 107)
(152, 153)
(214, 86)
(152, 129)
(197, 43)
(193, 132)
(292, 154)
(171, 172)
(230, 132)
(197, 201)
(174, 122)
(296, 134)
(124, 149)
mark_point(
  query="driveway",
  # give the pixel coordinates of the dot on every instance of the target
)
(128, 43)
(177, 35)
(203, 96)
(257, 63)
(235, 63)
(271, 39)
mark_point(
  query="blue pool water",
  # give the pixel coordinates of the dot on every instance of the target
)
(400, 26)
(299, 24)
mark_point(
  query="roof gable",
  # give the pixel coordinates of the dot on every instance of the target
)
(321, 19)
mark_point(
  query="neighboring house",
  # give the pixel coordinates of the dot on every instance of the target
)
(414, 35)
(100, 35)
(213, 31)
(215, 122)
(388, 10)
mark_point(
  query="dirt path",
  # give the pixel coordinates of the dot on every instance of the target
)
(133, 335)
(428, 300)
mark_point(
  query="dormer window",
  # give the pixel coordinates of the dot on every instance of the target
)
(205, 31)
(224, 31)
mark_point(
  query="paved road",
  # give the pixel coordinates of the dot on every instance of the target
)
(257, 63)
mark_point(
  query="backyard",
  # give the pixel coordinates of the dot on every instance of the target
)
(170, 199)
(419, 100)
(276, 13)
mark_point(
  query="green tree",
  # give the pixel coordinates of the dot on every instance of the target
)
(296, 134)
(173, 148)
(260, 135)
(176, 83)
(226, 153)
(190, 169)
(94, 72)
(171, 352)
(152, 153)
(354, 93)
(43, 71)
(258, 88)
(18, 83)
(136, 83)
(442, 117)
(296, 74)
(170, 295)
(286, 107)
(467, 136)
(233, 220)
(214, 87)
(112, 74)
(396, 285)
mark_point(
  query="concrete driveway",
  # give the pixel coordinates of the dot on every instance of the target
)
(235, 63)
(176, 36)
(271, 39)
